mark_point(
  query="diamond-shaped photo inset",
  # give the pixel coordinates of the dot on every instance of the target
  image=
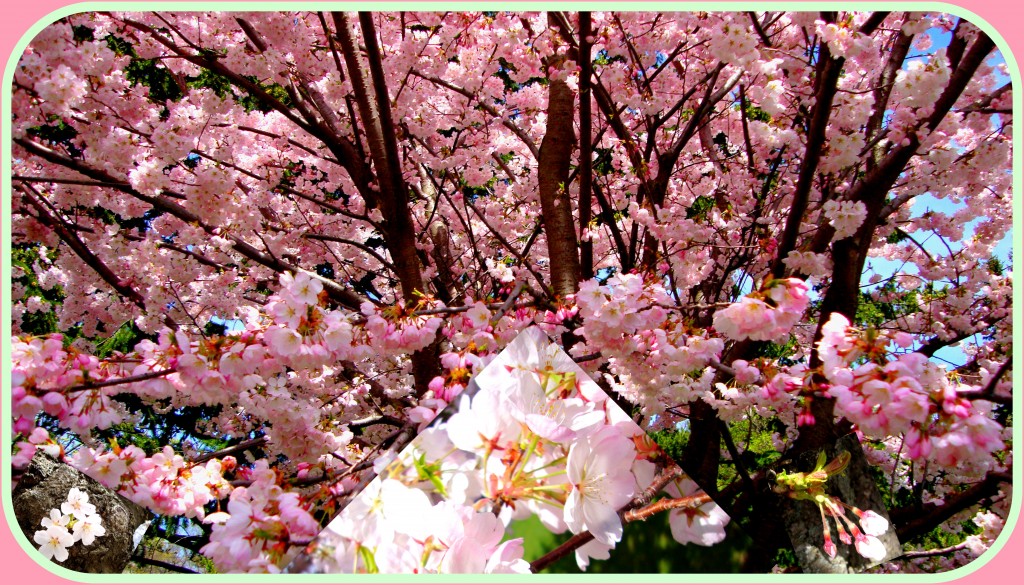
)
(534, 467)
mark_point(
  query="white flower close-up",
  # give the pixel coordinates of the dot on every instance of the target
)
(54, 542)
(601, 484)
(77, 514)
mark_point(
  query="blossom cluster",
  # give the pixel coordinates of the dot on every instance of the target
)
(734, 44)
(259, 525)
(809, 263)
(764, 315)
(44, 372)
(922, 82)
(459, 367)
(75, 521)
(652, 353)
(909, 396)
(270, 368)
(163, 482)
(401, 332)
(621, 306)
(843, 38)
(845, 216)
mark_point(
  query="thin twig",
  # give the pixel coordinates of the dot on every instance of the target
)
(516, 291)
(737, 461)
(251, 443)
(665, 504)
(163, 565)
(936, 552)
(453, 310)
(119, 381)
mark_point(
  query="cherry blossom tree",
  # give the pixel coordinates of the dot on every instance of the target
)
(254, 253)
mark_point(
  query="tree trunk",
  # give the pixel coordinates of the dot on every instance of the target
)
(553, 175)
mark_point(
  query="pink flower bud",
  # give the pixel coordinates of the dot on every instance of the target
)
(870, 547)
(871, 523)
(805, 418)
(23, 425)
(830, 547)
(436, 385)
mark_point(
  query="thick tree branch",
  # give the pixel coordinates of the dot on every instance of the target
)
(827, 78)
(120, 381)
(912, 523)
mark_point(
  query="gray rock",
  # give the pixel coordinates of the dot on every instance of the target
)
(45, 486)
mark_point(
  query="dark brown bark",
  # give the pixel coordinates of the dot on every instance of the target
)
(608, 217)
(883, 91)
(375, 112)
(586, 167)
(918, 521)
(553, 177)
(702, 455)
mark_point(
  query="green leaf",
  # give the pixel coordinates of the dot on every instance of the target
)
(368, 560)
(430, 472)
(822, 459)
